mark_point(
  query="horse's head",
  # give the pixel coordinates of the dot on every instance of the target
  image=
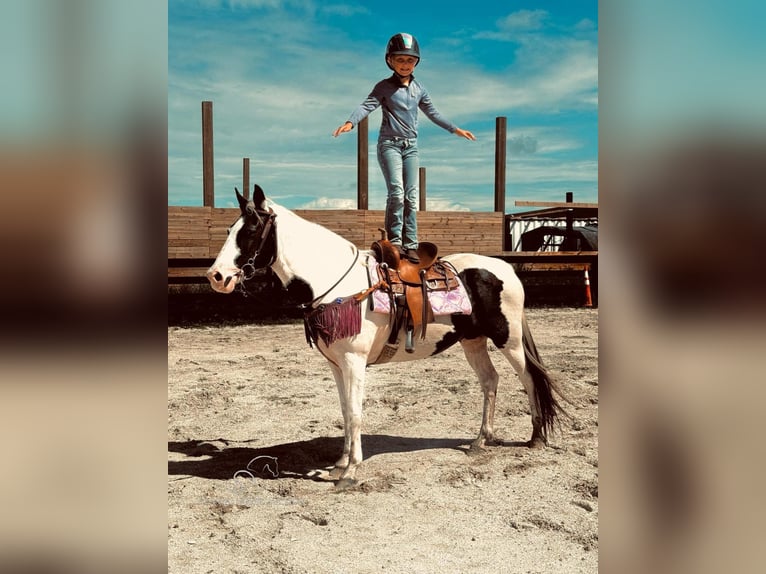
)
(251, 244)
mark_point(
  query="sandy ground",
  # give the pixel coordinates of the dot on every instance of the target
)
(253, 412)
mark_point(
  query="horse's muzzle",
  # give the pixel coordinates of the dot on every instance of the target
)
(222, 283)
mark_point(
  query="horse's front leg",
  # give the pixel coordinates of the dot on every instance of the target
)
(352, 373)
(342, 462)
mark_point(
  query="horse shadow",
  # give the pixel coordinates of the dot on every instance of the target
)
(299, 459)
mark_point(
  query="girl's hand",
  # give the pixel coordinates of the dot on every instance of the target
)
(347, 127)
(465, 134)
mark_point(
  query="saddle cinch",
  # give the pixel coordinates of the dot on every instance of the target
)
(408, 285)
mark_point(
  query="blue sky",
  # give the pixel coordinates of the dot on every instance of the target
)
(283, 74)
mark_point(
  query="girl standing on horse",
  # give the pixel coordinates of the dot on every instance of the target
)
(400, 96)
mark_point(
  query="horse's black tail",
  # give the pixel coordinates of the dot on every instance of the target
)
(547, 391)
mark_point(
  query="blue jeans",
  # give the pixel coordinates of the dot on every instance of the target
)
(399, 162)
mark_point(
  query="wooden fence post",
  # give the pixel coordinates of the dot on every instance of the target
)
(362, 166)
(208, 191)
(500, 136)
(422, 185)
(246, 176)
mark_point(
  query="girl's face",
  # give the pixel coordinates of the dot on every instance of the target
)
(403, 65)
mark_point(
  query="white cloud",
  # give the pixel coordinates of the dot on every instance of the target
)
(547, 74)
(329, 203)
(546, 170)
(585, 25)
(522, 144)
(439, 203)
(235, 4)
(523, 20)
(345, 10)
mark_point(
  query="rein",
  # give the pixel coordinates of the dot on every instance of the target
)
(313, 304)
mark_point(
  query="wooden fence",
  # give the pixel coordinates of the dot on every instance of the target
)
(196, 234)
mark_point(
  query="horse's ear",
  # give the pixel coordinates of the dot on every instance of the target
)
(242, 201)
(259, 197)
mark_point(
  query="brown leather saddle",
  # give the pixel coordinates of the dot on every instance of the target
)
(408, 284)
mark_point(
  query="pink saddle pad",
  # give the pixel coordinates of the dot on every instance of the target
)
(454, 301)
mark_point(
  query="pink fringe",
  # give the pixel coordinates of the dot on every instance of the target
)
(334, 321)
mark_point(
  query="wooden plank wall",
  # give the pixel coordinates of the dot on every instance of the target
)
(188, 232)
(199, 232)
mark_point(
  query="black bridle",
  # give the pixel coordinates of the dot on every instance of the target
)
(267, 228)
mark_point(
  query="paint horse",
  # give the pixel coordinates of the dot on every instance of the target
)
(328, 271)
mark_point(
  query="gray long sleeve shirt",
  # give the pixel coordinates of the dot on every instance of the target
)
(400, 106)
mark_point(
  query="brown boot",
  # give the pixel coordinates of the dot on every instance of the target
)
(412, 255)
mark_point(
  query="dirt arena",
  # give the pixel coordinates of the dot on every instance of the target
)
(253, 412)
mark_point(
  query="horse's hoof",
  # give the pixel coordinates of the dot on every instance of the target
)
(346, 484)
(336, 472)
(537, 443)
(320, 475)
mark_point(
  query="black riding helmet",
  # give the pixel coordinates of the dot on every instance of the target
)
(405, 44)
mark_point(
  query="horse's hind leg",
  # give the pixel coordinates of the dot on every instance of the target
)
(478, 357)
(516, 357)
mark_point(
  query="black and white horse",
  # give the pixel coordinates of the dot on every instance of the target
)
(326, 268)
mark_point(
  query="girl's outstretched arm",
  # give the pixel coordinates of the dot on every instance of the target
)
(347, 127)
(465, 134)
